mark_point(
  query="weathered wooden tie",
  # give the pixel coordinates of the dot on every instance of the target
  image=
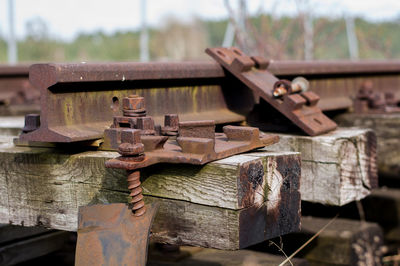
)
(387, 130)
(227, 204)
(338, 167)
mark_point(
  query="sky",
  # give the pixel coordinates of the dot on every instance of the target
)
(67, 18)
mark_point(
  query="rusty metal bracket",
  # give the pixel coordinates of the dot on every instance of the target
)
(297, 105)
(193, 142)
(368, 100)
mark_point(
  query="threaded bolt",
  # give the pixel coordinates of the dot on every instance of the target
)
(138, 207)
(131, 148)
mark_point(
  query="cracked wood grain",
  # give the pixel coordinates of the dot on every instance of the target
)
(227, 204)
(338, 167)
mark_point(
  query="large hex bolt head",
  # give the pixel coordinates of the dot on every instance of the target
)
(133, 103)
(131, 136)
(130, 143)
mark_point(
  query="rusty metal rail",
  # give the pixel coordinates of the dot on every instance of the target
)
(194, 90)
(334, 81)
(15, 87)
(338, 82)
(78, 101)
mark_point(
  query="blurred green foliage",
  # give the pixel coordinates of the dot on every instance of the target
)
(279, 38)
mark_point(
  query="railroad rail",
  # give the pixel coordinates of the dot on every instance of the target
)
(336, 82)
(15, 87)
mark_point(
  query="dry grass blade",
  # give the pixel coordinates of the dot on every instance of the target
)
(281, 250)
(308, 241)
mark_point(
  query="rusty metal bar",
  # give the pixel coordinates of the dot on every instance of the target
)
(341, 77)
(337, 82)
(18, 70)
(194, 90)
(333, 67)
(78, 101)
(14, 86)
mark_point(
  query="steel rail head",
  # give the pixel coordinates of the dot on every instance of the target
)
(46, 75)
(14, 70)
(333, 67)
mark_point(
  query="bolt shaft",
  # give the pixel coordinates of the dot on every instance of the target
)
(138, 208)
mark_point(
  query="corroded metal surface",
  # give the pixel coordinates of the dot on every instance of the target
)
(15, 87)
(368, 100)
(199, 151)
(197, 143)
(333, 67)
(78, 101)
(112, 235)
(338, 81)
(300, 108)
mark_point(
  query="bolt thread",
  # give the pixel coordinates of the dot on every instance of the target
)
(138, 207)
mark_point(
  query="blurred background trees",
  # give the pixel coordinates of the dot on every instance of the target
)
(283, 37)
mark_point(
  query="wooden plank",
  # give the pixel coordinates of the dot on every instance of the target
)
(337, 168)
(386, 128)
(246, 198)
(344, 242)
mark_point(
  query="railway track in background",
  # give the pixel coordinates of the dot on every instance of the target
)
(17, 97)
(199, 83)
